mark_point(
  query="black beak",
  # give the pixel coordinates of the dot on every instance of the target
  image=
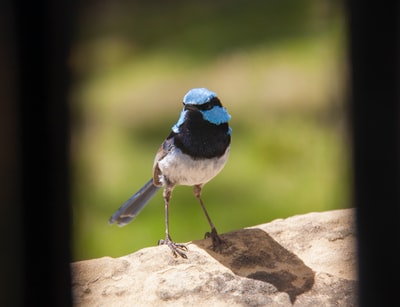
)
(190, 107)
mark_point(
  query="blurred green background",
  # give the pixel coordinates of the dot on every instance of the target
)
(279, 67)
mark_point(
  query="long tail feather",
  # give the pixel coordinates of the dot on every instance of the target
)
(131, 208)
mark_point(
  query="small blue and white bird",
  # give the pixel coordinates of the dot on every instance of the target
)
(194, 152)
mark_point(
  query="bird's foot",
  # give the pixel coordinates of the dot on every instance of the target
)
(217, 242)
(176, 248)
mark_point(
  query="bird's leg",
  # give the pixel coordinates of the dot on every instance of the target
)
(177, 249)
(217, 242)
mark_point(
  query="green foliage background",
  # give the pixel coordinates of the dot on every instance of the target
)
(278, 66)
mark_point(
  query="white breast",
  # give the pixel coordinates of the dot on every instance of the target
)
(181, 169)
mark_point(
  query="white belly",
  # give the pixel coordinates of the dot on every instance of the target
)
(180, 169)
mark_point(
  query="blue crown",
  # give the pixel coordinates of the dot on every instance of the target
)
(198, 96)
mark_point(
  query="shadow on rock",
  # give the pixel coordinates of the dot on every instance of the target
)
(252, 253)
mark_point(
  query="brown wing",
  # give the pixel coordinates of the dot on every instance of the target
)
(165, 147)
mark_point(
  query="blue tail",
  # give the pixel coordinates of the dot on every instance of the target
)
(131, 208)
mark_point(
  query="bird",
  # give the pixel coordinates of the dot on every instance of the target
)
(195, 151)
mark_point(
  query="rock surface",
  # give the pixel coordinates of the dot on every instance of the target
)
(305, 260)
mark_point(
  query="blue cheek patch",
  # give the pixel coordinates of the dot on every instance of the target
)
(181, 120)
(216, 115)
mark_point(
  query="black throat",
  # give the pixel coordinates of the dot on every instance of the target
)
(199, 138)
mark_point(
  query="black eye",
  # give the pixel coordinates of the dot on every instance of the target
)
(215, 102)
(207, 106)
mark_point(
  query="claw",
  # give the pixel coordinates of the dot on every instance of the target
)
(176, 248)
(217, 242)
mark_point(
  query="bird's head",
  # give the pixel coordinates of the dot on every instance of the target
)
(207, 103)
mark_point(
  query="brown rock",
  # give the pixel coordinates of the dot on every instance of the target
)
(306, 260)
